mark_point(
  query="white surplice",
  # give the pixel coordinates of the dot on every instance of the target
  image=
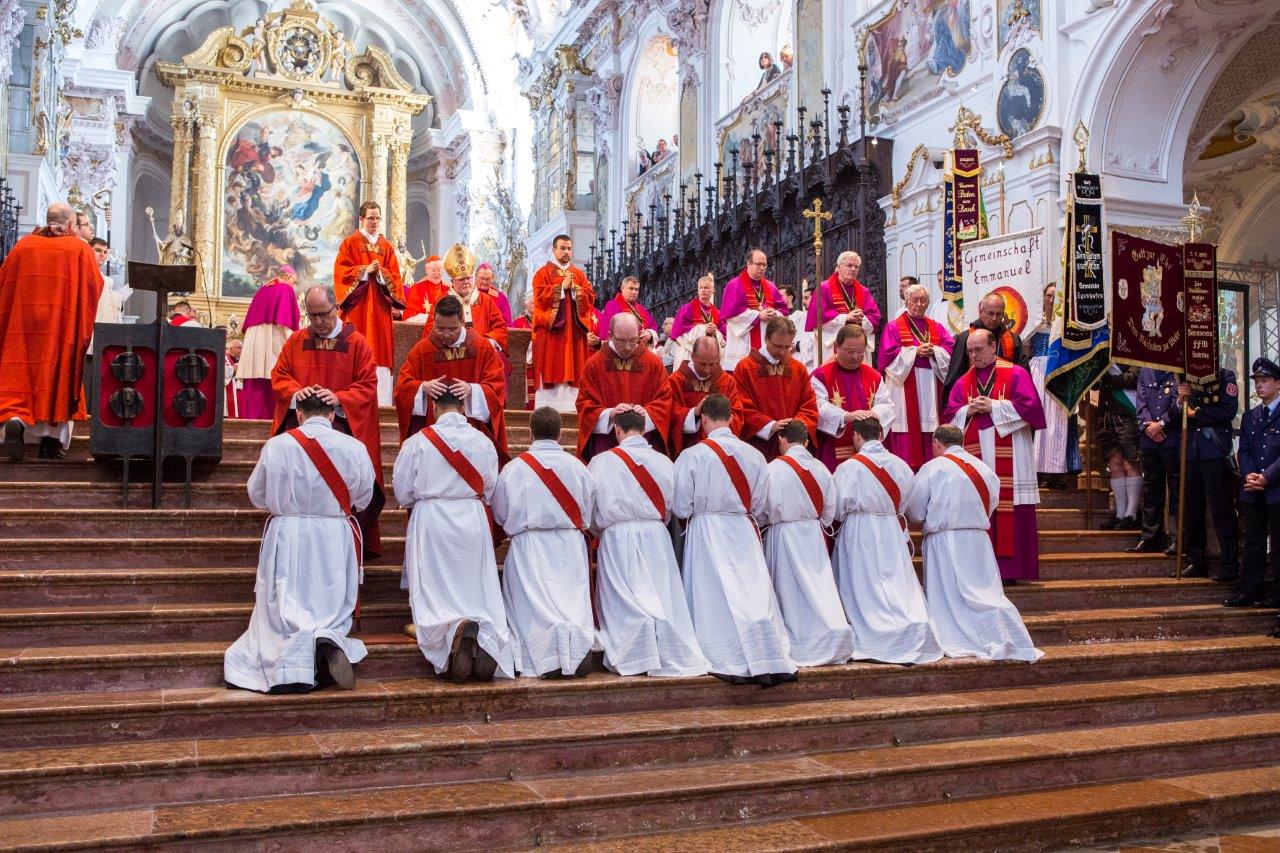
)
(448, 550)
(878, 583)
(645, 626)
(545, 581)
(735, 612)
(806, 351)
(682, 347)
(927, 387)
(308, 573)
(1050, 442)
(970, 612)
(795, 549)
(831, 416)
(737, 343)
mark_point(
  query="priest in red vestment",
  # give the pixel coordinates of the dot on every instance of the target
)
(480, 311)
(366, 277)
(691, 383)
(453, 358)
(627, 300)
(421, 295)
(49, 291)
(331, 360)
(847, 389)
(775, 389)
(844, 300)
(564, 326)
(622, 376)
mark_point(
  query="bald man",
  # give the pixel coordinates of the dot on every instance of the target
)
(622, 376)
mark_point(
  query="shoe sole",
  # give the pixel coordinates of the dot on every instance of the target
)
(462, 659)
(14, 449)
(485, 666)
(344, 678)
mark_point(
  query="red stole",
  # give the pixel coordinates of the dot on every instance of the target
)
(333, 479)
(809, 482)
(180, 320)
(909, 332)
(887, 482)
(706, 315)
(458, 461)
(645, 479)
(974, 477)
(851, 392)
(755, 299)
(557, 488)
(840, 297)
(736, 475)
(1002, 519)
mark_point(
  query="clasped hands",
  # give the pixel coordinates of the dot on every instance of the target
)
(324, 394)
(1154, 431)
(981, 405)
(1255, 483)
(436, 387)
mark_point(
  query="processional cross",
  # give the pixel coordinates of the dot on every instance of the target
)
(818, 215)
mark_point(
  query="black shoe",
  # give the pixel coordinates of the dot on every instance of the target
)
(587, 665)
(1225, 579)
(736, 680)
(1145, 546)
(462, 658)
(334, 662)
(14, 449)
(1130, 523)
(485, 666)
(1195, 570)
(1171, 551)
(51, 448)
(1242, 601)
(1110, 524)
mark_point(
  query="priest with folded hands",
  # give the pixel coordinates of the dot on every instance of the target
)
(622, 376)
(366, 278)
(691, 383)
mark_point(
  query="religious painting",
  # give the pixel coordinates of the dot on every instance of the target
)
(1021, 100)
(914, 46)
(291, 194)
(1018, 21)
(753, 130)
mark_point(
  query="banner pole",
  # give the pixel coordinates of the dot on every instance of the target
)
(1182, 491)
(1088, 461)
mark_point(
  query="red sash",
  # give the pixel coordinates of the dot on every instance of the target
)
(1002, 520)
(736, 476)
(838, 300)
(645, 479)
(332, 479)
(461, 464)
(809, 482)
(974, 477)
(888, 483)
(910, 389)
(556, 486)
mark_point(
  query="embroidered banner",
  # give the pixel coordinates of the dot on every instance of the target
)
(1148, 326)
(962, 217)
(1011, 266)
(1200, 276)
(1084, 297)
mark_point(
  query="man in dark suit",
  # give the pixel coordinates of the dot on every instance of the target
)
(1160, 420)
(1260, 497)
(991, 316)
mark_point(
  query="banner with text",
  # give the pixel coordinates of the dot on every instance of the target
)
(1085, 302)
(1011, 266)
(1148, 325)
(962, 216)
(1200, 274)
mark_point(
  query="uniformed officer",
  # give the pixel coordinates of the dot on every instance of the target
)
(1160, 419)
(1260, 497)
(1211, 476)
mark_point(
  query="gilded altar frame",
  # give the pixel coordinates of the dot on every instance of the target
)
(291, 60)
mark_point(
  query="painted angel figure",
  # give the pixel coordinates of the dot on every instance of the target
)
(1153, 306)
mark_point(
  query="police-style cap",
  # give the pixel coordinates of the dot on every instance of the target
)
(1265, 367)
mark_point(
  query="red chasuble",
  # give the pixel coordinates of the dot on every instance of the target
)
(420, 296)
(999, 389)
(343, 364)
(851, 390)
(560, 334)
(687, 391)
(608, 380)
(367, 305)
(484, 318)
(773, 392)
(49, 291)
(473, 361)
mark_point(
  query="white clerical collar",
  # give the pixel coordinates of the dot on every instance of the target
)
(720, 432)
(318, 420)
(372, 238)
(954, 450)
(634, 441)
(561, 266)
(451, 419)
(764, 353)
(872, 447)
(546, 444)
(337, 327)
(462, 336)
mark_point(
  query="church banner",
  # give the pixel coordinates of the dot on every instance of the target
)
(1011, 266)
(962, 217)
(1085, 302)
(1148, 326)
(1200, 274)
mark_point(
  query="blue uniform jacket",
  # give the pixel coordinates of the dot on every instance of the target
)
(1158, 401)
(1260, 451)
(1209, 429)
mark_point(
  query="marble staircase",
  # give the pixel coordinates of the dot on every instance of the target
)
(1154, 710)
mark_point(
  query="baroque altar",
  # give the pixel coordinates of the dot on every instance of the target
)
(281, 130)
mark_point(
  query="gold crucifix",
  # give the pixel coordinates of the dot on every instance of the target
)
(817, 214)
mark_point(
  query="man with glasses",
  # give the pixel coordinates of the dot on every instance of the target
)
(915, 353)
(750, 302)
(622, 377)
(330, 360)
(844, 301)
(991, 316)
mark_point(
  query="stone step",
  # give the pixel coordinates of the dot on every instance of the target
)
(111, 552)
(1065, 818)
(334, 756)
(544, 810)
(107, 495)
(149, 666)
(184, 584)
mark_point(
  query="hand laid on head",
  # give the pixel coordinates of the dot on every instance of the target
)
(434, 387)
(327, 396)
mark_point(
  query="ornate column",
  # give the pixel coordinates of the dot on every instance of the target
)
(378, 185)
(398, 200)
(178, 186)
(205, 200)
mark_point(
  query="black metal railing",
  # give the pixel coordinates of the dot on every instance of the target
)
(757, 199)
(9, 212)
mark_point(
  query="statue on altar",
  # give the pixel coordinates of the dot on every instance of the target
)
(408, 263)
(176, 249)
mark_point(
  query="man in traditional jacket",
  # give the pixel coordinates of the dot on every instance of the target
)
(49, 291)
(799, 503)
(775, 389)
(1010, 347)
(564, 326)
(696, 319)
(645, 626)
(844, 302)
(877, 580)
(690, 384)
(271, 318)
(998, 407)
(750, 302)
(627, 301)
(480, 312)
(311, 479)
(453, 359)
(915, 352)
(331, 360)
(366, 278)
(721, 488)
(543, 501)
(847, 389)
(953, 496)
(445, 474)
(622, 376)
